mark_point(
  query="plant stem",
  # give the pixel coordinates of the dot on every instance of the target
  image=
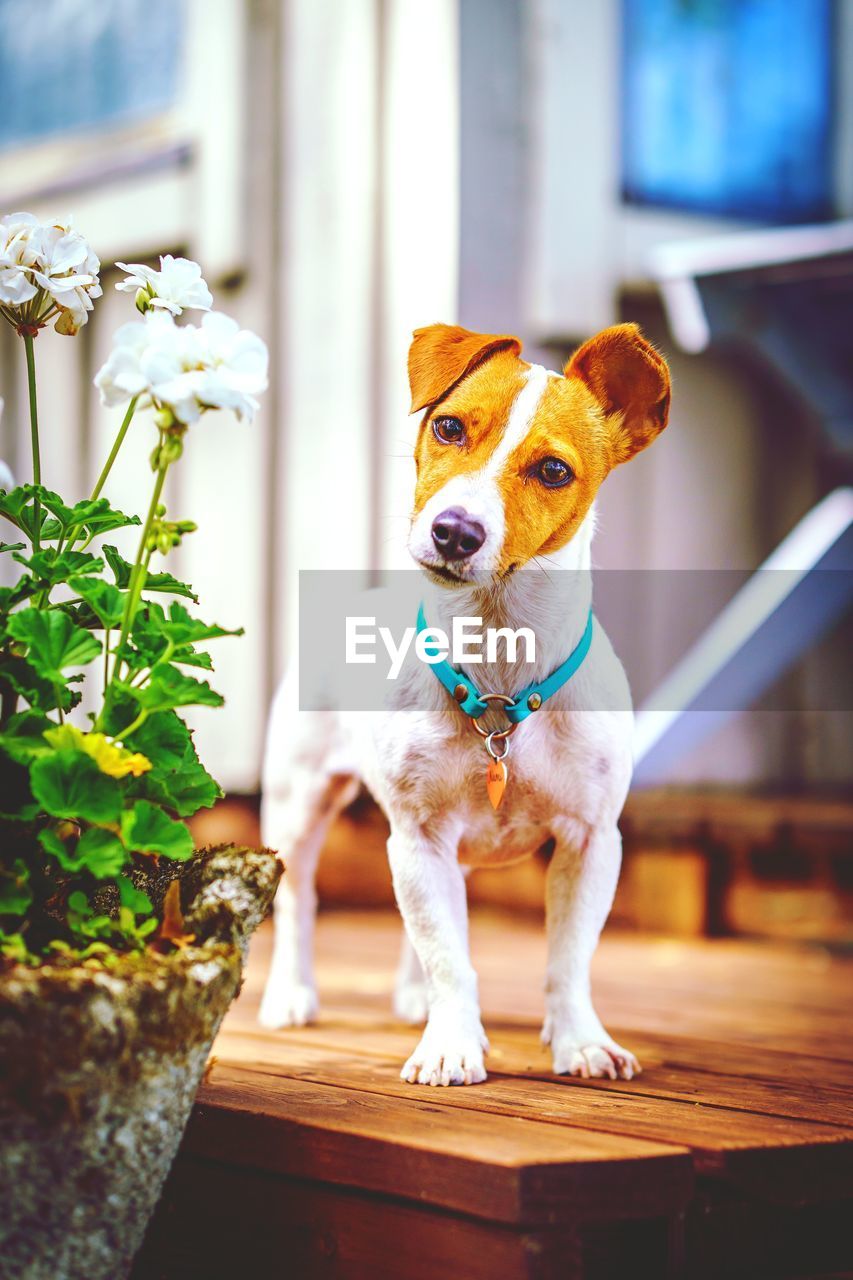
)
(139, 571)
(117, 443)
(106, 659)
(108, 466)
(34, 431)
(133, 726)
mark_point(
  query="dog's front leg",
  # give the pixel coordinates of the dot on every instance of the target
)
(581, 883)
(430, 889)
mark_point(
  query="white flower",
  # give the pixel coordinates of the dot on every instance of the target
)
(177, 285)
(16, 258)
(185, 368)
(46, 268)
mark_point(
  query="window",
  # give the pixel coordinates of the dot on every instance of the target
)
(67, 65)
(727, 107)
(130, 116)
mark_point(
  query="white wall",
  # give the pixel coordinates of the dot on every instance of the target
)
(348, 115)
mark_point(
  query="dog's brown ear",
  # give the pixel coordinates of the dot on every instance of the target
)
(630, 381)
(441, 354)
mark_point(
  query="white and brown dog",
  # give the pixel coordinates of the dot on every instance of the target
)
(509, 459)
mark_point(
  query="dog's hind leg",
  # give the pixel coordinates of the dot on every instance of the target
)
(296, 824)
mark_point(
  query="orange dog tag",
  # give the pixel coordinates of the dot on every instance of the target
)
(496, 781)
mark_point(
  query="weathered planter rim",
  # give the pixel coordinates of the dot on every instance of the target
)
(98, 1070)
(57, 1017)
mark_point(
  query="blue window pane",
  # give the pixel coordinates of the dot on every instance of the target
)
(75, 64)
(727, 106)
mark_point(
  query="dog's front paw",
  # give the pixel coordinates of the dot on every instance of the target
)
(592, 1058)
(595, 1061)
(450, 1052)
(287, 1004)
(410, 1003)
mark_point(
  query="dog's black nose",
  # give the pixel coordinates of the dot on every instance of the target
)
(456, 534)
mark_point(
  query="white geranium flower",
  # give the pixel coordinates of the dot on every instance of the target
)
(185, 369)
(177, 286)
(16, 285)
(46, 269)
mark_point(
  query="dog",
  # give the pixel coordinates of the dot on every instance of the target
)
(509, 459)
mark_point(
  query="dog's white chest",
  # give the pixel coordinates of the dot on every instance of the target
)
(437, 779)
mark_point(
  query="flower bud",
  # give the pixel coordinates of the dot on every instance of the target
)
(164, 419)
(170, 450)
(143, 300)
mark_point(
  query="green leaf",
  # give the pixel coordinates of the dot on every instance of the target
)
(97, 851)
(51, 568)
(189, 657)
(53, 503)
(169, 688)
(189, 789)
(10, 596)
(20, 675)
(55, 642)
(132, 898)
(164, 739)
(15, 892)
(82, 920)
(153, 582)
(68, 784)
(101, 853)
(12, 546)
(18, 506)
(177, 780)
(181, 628)
(52, 844)
(147, 829)
(13, 947)
(105, 600)
(95, 515)
(22, 736)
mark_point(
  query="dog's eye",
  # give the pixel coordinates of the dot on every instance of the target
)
(553, 473)
(448, 430)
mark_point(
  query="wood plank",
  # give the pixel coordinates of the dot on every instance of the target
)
(488, 1165)
(701, 1080)
(299, 1231)
(773, 1122)
(738, 1135)
(806, 1156)
(761, 995)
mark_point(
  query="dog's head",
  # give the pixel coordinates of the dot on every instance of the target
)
(510, 456)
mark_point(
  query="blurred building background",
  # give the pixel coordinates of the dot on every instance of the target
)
(346, 170)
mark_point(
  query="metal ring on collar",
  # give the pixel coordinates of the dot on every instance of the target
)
(506, 701)
(501, 737)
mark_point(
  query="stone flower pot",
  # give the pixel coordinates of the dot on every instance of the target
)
(98, 1071)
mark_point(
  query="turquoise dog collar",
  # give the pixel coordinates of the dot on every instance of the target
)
(473, 703)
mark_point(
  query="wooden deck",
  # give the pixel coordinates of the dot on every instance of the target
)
(731, 1155)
